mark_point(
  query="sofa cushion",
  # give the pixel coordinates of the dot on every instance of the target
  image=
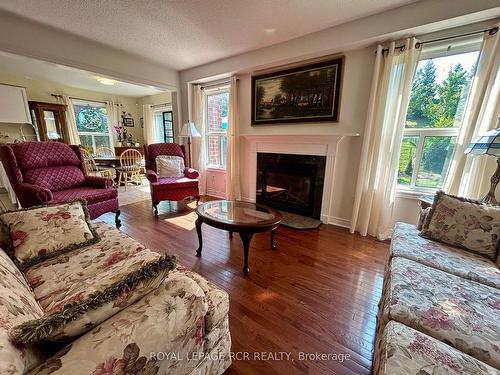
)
(105, 277)
(405, 351)
(462, 313)
(90, 194)
(39, 233)
(55, 178)
(171, 183)
(17, 305)
(408, 244)
(464, 223)
(32, 155)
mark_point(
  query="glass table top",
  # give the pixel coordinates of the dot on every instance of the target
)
(238, 213)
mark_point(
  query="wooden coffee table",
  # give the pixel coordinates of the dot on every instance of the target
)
(237, 216)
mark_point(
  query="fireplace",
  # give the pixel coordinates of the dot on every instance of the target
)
(290, 182)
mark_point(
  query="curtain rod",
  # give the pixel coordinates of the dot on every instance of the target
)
(490, 31)
(85, 100)
(215, 84)
(159, 105)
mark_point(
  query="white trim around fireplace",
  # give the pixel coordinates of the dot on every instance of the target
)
(320, 145)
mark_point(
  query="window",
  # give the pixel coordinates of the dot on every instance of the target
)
(92, 124)
(164, 127)
(440, 92)
(217, 123)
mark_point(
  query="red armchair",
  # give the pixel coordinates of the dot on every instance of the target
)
(52, 172)
(169, 188)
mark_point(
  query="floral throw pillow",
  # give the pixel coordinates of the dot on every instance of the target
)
(39, 233)
(464, 223)
(86, 311)
(169, 166)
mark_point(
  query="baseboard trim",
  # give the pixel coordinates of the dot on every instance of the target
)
(337, 221)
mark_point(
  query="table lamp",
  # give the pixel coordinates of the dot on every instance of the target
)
(189, 131)
(489, 144)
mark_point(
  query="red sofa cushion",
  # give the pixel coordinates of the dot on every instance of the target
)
(172, 183)
(55, 178)
(31, 155)
(91, 195)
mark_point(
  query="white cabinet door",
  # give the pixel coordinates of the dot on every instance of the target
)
(13, 105)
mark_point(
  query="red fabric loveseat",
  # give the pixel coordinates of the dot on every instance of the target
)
(53, 172)
(169, 188)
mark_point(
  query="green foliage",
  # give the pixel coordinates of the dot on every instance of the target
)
(423, 91)
(437, 106)
(451, 92)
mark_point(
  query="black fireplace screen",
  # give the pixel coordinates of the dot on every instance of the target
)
(292, 183)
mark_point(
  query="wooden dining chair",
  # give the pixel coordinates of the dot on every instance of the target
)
(104, 152)
(93, 170)
(131, 165)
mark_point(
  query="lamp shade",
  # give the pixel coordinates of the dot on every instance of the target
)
(189, 130)
(487, 143)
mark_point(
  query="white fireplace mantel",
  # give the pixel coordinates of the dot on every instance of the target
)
(319, 145)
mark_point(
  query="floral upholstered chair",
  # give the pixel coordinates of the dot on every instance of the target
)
(171, 188)
(53, 172)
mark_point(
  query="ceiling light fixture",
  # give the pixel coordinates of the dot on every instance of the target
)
(106, 81)
(269, 31)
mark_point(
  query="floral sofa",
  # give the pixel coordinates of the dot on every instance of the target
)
(180, 327)
(440, 309)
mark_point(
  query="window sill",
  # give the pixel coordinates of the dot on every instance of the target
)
(216, 169)
(413, 194)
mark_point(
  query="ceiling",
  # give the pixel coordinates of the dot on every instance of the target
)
(41, 70)
(188, 33)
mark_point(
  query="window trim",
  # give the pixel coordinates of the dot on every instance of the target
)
(422, 133)
(221, 133)
(434, 51)
(94, 104)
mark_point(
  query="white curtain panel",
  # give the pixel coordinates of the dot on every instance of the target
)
(389, 97)
(113, 113)
(232, 165)
(468, 176)
(149, 124)
(198, 146)
(74, 138)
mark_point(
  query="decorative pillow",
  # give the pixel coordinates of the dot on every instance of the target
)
(87, 310)
(463, 223)
(42, 232)
(169, 166)
(421, 219)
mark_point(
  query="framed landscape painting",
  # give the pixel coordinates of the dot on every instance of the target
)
(309, 93)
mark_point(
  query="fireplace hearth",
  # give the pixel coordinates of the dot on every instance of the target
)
(290, 182)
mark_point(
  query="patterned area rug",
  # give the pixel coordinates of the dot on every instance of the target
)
(299, 222)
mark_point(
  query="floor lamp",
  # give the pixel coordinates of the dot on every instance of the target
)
(489, 144)
(189, 131)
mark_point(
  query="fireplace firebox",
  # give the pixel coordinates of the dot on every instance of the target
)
(290, 182)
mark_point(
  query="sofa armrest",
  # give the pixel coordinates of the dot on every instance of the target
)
(151, 176)
(34, 193)
(99, 182)
(191, 173)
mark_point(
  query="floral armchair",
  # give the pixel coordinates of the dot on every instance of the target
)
(169, 188)
(53, 172)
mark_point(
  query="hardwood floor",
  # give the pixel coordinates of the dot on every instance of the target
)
(316, 293)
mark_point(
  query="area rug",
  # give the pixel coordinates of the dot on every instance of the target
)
(298, 221)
